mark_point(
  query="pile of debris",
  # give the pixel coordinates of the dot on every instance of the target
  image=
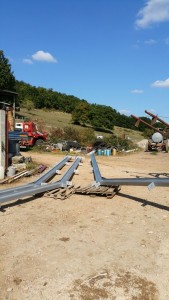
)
(20, 167)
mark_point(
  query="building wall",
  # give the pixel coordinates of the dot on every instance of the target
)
(2, 139)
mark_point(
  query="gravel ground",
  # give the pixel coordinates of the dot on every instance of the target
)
(89, 247)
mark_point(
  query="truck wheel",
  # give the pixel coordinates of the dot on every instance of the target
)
(39, 142)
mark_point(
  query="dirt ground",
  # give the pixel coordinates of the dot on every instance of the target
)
(86, 247)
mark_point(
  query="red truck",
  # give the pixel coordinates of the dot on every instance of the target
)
(28, 134)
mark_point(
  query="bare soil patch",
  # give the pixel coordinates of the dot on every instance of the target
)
(89, 248)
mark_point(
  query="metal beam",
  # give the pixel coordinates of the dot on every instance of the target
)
(68, 175)
(163, 182)
(136, 181)
(96, 171)
(39, 181)
(33, 189)
(52, 172)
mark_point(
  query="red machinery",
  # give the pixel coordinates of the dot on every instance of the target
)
(29, 135)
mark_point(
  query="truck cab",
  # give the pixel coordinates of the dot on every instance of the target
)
(29, 129)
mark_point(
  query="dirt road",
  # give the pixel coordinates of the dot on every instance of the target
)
(86, 247)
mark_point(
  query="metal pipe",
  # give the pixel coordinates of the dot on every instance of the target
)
(144, 122)
(33, 189)
(156, 118)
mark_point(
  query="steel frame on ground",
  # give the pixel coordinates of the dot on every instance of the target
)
(99, 180)
(42, 179)
(40, 185)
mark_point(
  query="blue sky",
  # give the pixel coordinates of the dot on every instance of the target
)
(111, 52)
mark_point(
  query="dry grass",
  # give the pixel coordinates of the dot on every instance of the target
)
(50, 118)
(134, 135)
(46, 119)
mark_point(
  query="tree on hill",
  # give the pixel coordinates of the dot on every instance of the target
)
(100, 117)
(84, 113)
(7, 79)
(80, 113)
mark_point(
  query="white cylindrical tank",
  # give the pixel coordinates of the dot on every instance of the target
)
(157, 137)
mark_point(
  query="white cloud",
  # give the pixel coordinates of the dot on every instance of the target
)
(44, 56)
(154, 11)
(161, 83)
(137, 91)
(150, 42)
(125, 112)
(27, 61)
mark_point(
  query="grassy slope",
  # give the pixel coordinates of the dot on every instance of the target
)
(47, 119)
(134, 135)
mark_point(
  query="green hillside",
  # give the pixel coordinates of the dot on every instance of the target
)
(83, 113)
(48, 119)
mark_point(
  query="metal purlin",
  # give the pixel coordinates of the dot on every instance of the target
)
(149, 182)
(41, 187)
